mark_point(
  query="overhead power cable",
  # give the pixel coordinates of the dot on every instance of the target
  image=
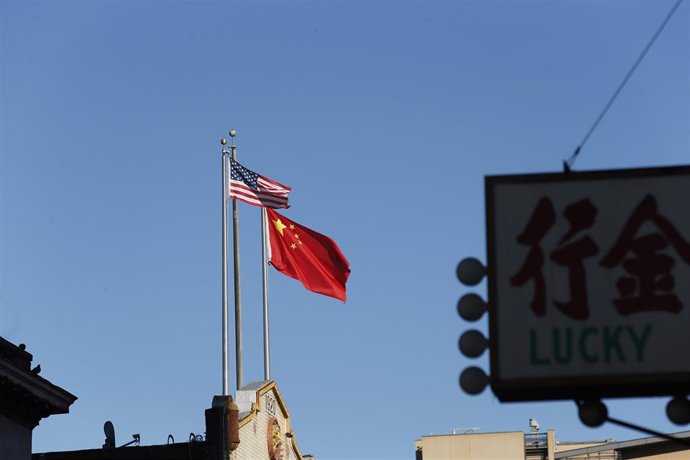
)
(570, 161)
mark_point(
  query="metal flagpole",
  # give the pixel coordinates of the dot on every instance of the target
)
(264, 253)
(236, 253)
(224, 281)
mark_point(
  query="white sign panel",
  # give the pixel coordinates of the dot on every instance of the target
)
(589, 283)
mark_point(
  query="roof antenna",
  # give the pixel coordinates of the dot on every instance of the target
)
(109, 430)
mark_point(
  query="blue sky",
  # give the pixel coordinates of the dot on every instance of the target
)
(383, 116)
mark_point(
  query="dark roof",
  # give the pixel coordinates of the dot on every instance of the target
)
(16, 354)
(26, 397)
(179, 451)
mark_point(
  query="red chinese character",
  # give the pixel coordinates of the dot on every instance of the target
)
(580, 215)
(569, 253)
(541, 221)
(649, 288)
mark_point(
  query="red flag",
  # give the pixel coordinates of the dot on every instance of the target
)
(309, 257)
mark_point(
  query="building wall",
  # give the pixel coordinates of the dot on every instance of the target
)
(15, 440)
(659, 453)
(565, 446)
(652, 451)
(263, 405)
(648, 454)
(486, 446)
(606, 455)
(551, 444)
(518, 445)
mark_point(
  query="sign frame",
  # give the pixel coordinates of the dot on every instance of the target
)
(584, 387)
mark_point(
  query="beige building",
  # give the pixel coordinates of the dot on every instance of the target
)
(264, 425)
(485, 446)
(516, 445)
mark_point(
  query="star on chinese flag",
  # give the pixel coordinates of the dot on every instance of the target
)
(307, 256)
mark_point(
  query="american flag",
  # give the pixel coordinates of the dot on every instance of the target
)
(252, 188)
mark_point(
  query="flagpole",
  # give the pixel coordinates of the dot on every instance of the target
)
(224, 251)
(264, 251)
(236, 253)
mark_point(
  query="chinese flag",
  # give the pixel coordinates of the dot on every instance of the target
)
(309, 257)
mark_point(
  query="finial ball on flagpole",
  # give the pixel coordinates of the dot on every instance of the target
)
(223, 141)
(232, 133)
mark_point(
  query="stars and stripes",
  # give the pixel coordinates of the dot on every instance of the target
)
(255, 189)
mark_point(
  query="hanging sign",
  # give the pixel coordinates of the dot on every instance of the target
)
(589, 283)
